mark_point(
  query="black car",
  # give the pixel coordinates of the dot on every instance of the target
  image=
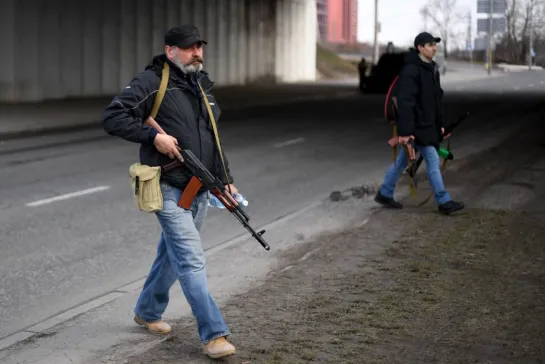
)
(383, 73)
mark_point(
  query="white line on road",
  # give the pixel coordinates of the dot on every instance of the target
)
(67, 196)
(289, 142)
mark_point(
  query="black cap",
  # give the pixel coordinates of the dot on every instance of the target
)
(425, 37)
(183, 36)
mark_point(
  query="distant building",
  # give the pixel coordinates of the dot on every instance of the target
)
(337, 21)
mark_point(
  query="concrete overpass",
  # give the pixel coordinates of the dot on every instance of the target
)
(72, 48)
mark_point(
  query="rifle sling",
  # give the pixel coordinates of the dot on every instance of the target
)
(161, 91)
(214, 126)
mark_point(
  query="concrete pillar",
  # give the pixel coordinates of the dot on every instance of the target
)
(172, 10)
(199, 15)
(92, 50)
(232, 56)
(252, 19)
(27, 50)
(8, 59)
(144, 33)
(271, 31)
(50, 34)
(223, 37)
(71, 47)
(127, 41)
(263, 42)
(210, 32)
(291, 44)
(110, 46)
(309, 23)
(280, 40)
(296, 40)
(158, 27)
(242, 41)
(187, 12)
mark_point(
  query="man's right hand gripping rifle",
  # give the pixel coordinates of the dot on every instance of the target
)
(408, 143)
(168, 145)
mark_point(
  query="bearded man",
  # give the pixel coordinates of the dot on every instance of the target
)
(183, 115)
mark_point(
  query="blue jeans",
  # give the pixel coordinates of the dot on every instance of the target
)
(432, 167)
(180, 256)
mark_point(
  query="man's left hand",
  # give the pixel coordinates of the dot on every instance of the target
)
(443, 132)
(231, 188)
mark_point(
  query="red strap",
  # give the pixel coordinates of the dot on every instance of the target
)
(388, 97)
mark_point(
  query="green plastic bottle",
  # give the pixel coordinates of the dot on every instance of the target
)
(445, 154)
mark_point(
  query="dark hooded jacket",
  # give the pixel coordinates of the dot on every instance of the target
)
(182, 114)
(419, 100)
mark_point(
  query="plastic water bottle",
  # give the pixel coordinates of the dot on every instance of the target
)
(214, 202)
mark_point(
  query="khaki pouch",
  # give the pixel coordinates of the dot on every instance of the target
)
(146, 188)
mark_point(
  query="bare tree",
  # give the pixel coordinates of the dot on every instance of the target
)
(444, 17)
(523, 17)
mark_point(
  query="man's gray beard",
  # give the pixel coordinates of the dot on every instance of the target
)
(191, 68)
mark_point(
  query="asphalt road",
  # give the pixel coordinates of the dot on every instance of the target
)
(59, 253)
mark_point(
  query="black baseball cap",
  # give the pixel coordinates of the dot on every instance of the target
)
(183, 36)
(425, 37)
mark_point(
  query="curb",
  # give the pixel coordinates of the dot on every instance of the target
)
(44, 131)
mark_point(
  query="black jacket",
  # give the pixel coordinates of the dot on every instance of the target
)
(419, 100)
(182, 114)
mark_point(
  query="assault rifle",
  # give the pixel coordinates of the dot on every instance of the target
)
(202, 177)
(444, 153)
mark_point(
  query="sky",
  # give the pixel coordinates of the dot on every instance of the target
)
(400, 19)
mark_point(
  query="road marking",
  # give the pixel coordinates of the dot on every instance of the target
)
(289, 142)
(531, 85)
(517, 88)
(67, 196)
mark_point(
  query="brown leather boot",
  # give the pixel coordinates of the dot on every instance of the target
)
(157, 327)
(218, 348)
